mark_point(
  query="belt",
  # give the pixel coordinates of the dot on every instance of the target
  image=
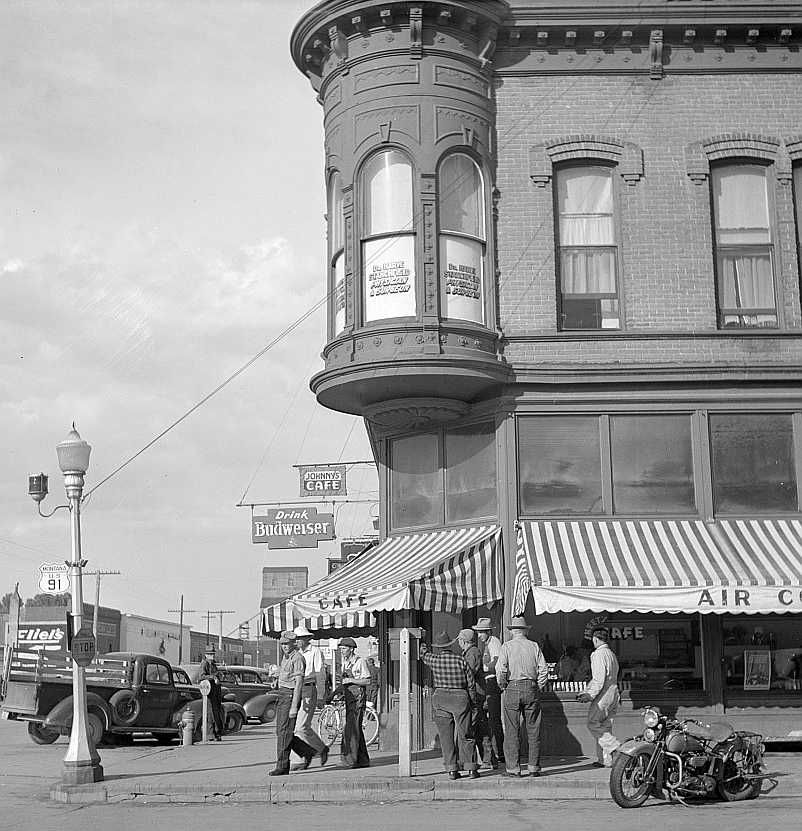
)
(523, 681)
(453, 689)
(310, 683)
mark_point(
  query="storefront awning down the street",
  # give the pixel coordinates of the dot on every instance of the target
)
(282, 616)
(444, 571)
(727, 566)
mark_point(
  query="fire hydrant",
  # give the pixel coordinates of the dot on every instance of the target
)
(187, 727)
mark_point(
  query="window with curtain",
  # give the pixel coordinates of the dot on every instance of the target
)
(753, 463)
(559, 465)
(462, 238)
(587, 250)
(388, 240)
(337, 252)
(744, 251)
(416, 481)
(652, 464)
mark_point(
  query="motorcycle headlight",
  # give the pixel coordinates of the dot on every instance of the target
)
(649, 734)
(651, 718)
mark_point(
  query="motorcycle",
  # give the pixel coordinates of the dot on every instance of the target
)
(687, 759)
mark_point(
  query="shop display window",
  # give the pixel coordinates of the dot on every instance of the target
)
(559, 465)
(652, 464)
(753, 463)
(763, 653)
(656, 653)
(443, 477)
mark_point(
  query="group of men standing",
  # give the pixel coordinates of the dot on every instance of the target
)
(486, 700)
(301, 683)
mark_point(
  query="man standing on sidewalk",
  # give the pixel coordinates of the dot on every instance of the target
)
(209, 672)
(521, 673)
(290, 683)
(481, 734)
(602, 689)
(314, 688)
(453, 698)
(356, 678)
(491, 647)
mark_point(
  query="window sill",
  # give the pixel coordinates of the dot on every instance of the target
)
(623, 334)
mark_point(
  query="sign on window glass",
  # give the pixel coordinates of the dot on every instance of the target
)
(388, 267)
(461, 280)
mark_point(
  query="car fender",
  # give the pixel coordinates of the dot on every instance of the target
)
(60, 717)
(233, 707)
(255, 707)
(631, 747)
(195, 706)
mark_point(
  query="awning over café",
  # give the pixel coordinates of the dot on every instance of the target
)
(444, 571)
(282, 616)
(735, 566)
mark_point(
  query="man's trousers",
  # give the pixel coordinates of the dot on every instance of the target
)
(303, 724)
(521, 701)
(452, 713)
(286, 740)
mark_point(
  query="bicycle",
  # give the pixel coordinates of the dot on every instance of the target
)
(331, 722)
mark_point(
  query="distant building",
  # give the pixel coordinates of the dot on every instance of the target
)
(154, 637)
(281, 582)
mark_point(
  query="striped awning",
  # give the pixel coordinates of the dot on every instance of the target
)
(743, 566)
(444, 571)
(282, 616)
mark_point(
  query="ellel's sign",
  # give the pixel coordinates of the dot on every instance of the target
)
(323, 480)
(292, 528)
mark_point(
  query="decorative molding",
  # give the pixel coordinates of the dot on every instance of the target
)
(794, 147)
(698, 155)
(380, 123)
(627, 157)
(450, 121)
(656, 54)
(338, 43)
(449, 76)
(386, 76)
(488, 46)
(415, 412)
(783, 166)
(416, 32)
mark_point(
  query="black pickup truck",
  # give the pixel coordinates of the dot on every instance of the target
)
(127, 693)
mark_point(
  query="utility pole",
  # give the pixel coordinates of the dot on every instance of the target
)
(181, 612)
(98, 573)
(209, 614)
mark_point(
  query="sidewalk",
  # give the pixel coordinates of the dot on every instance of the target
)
(236, 770)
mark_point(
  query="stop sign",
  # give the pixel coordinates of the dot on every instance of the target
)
(83, 646)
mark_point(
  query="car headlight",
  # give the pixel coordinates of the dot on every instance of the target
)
(651, 718)
(649, 734)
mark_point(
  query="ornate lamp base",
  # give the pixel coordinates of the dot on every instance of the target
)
(81, 773)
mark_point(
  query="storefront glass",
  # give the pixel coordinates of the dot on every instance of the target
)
(763, 654)
(416, 490)
(652, 464)
(559, 463)
(753, 463)
(470, 473)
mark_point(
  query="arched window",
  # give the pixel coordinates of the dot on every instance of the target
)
(388, 238)
(336, 253)
(586, 247)
(744, 250)
(462, 239)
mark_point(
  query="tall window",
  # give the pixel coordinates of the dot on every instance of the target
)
(337, 252)
(744, 252)
(798, 204)
(388, 241)
(587, 251)
(462, 238)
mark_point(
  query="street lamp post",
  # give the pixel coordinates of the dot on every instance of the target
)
(82, 762)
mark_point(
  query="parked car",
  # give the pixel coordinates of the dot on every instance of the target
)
(235, 715)
(250, 686)
(127, 693)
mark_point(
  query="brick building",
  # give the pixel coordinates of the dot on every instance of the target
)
(564, 277)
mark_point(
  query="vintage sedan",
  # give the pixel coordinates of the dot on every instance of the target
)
(251, 687)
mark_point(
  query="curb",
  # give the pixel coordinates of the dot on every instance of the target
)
(423, 789)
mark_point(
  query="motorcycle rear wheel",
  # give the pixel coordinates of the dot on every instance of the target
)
(628, 785)
(737, 790)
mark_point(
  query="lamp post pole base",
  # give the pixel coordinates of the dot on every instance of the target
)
(81, 773)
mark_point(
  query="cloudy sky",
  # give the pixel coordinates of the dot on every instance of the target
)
(161, 222)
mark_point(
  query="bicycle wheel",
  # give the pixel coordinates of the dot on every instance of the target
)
(370, 726)
(329, 724)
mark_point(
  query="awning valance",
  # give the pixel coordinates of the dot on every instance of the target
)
(740, 566)
(282, 616)
(444, 571)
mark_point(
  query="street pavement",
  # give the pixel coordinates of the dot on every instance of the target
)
(234, 772)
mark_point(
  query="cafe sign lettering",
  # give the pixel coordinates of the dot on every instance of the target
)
(323, 480)
(292, 528)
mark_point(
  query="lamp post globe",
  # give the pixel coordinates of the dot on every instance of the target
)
(82, 762)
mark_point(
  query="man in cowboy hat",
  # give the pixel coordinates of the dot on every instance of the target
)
(210, 672)
(491, 648)
(290, 683)
(453, 699)
(521, 672)
(356, 678)
(313, 688)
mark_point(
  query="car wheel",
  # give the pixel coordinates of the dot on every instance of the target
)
(268, 715)
(234, 723)
(40, 734)
(95, 728)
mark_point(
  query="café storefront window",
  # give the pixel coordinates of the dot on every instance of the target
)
(763, 654)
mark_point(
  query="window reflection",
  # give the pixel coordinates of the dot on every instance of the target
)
(416, 482)
(470, 473)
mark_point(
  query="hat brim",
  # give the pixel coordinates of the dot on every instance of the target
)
(444, 645)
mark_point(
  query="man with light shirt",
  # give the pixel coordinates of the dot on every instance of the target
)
(602, 690)
(314, 688)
